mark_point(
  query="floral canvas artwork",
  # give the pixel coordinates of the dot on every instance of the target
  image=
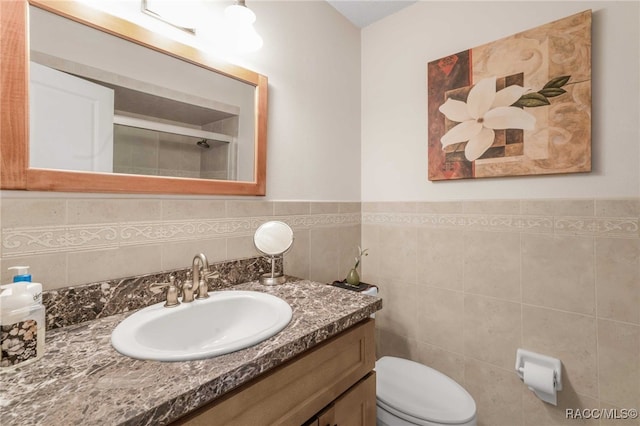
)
(517, 106)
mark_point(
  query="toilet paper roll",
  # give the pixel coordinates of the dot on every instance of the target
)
(540, 380)
(372, 291)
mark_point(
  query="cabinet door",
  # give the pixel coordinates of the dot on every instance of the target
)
(356, 407)
(70, 122)
(299, 389)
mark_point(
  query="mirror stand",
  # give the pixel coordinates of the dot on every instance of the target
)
(273, 278)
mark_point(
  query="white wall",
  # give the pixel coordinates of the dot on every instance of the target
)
(395, 53)
(312, 58)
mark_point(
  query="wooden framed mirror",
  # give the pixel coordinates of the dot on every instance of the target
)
(17, 170)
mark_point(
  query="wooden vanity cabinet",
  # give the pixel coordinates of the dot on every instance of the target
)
(356, 407)
(330, 384)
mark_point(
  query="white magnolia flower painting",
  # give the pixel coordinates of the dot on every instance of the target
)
(517, 106)
(485, 111)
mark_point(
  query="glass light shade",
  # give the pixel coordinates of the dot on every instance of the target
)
(240, 21)
(239, 15)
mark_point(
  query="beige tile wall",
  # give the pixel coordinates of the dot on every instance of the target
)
(77, 240)
(464, 283)
(467, 283)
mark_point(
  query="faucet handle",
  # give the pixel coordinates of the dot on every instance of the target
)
(188, 288)
(157, 287)
(172, 291)
(209, 275)
(203, 288)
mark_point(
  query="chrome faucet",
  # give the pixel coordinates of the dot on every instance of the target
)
(199, 283)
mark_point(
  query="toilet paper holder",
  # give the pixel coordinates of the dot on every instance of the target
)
(523, 355)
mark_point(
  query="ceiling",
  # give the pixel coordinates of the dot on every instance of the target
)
(365, 12)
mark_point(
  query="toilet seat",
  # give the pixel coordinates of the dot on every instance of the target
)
(420, 394)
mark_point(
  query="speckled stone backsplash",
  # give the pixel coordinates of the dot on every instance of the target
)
(73, 305)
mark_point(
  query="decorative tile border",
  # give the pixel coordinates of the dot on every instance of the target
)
(40, 240)
(73, 305)
(589, 226)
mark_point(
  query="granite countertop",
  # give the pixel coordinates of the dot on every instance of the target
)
(82, 380)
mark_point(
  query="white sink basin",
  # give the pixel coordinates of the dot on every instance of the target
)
(225, 322)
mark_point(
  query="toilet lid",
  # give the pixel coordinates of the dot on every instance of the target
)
(422, 392)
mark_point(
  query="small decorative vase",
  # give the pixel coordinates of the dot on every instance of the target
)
(352, 277)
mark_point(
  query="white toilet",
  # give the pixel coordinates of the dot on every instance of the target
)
(409, 393)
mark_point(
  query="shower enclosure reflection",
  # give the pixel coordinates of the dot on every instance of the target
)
(150, 152)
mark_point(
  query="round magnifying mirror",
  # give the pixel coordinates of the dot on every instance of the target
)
(273, 239)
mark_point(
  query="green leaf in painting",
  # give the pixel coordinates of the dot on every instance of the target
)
(551, 92)
(531, 100)
(557, 82)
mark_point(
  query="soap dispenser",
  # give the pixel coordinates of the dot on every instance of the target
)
(22, 274)
(22, 321)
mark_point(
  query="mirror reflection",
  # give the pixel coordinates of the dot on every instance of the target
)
(123, 108)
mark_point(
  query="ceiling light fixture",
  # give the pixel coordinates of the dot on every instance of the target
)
(241, 19)
(169, 13)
